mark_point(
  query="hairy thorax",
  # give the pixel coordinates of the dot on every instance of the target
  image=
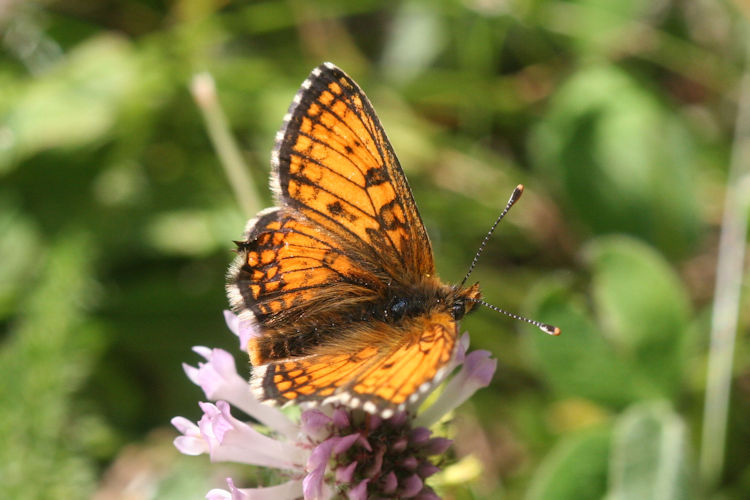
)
(401, 302)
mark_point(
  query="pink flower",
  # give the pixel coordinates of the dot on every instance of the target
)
(330, 451)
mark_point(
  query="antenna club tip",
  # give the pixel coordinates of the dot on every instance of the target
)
(550, 330)
(515, 195)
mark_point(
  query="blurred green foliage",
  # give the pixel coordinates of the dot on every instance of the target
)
(117, 222)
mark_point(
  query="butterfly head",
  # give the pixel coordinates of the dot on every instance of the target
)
(464, 300)
(404, 302)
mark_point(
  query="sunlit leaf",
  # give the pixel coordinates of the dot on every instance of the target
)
(599, 26)
(642, 305)
(76, 103)
(576, 469)
(19, 252)
(44, 360)
(581, 362)
(621, 160)
(650, 457)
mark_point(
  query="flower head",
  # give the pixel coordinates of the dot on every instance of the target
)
(331, 451)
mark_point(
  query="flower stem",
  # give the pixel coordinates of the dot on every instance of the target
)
(732, 243)
(203, 89)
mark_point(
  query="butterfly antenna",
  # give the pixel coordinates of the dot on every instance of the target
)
(512, 201)
(548, 329)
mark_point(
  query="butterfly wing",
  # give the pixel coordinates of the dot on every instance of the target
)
(383, 379)
(288, 276)
(334, 164)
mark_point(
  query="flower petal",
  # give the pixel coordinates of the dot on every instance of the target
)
(475, 373)
(232, 440)
(420, 435)
(463, 346)
(437, 446)
(390, 483)
(375, 466)
(183, 425)
(399, 445)
(233, 323)
(341, 418)
(345, 474)
(411, 486)
(427, 494)
(359, 492)
(243, 329)
(314, 423)
(409, 463)
(344, 443)
(426, 469)
(480, 368)
(398, 419)
(237, 494)
(374, 421)
(191, 442)
(291, 490)
(312, 484)
(219, 379)
(364, 443)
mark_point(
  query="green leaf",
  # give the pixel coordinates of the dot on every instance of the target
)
(642, 306)
(575, 469)
(44, 360)
(580, 362)
(622, 161)
(98, 77)
(19, 252)
(598, 26)
(637, 348)
(649, 459)
(417, 40)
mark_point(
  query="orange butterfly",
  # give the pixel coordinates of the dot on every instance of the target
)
(339, 278)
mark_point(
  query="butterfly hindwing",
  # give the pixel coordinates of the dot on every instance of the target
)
(386, 377)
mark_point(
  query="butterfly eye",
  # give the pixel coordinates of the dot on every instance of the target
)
(397, 309)
(458, 310)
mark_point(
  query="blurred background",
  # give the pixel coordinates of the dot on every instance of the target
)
(621, 119)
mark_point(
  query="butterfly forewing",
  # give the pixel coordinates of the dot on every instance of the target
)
(335, 164)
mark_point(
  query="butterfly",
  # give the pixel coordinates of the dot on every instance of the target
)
(338, 278)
